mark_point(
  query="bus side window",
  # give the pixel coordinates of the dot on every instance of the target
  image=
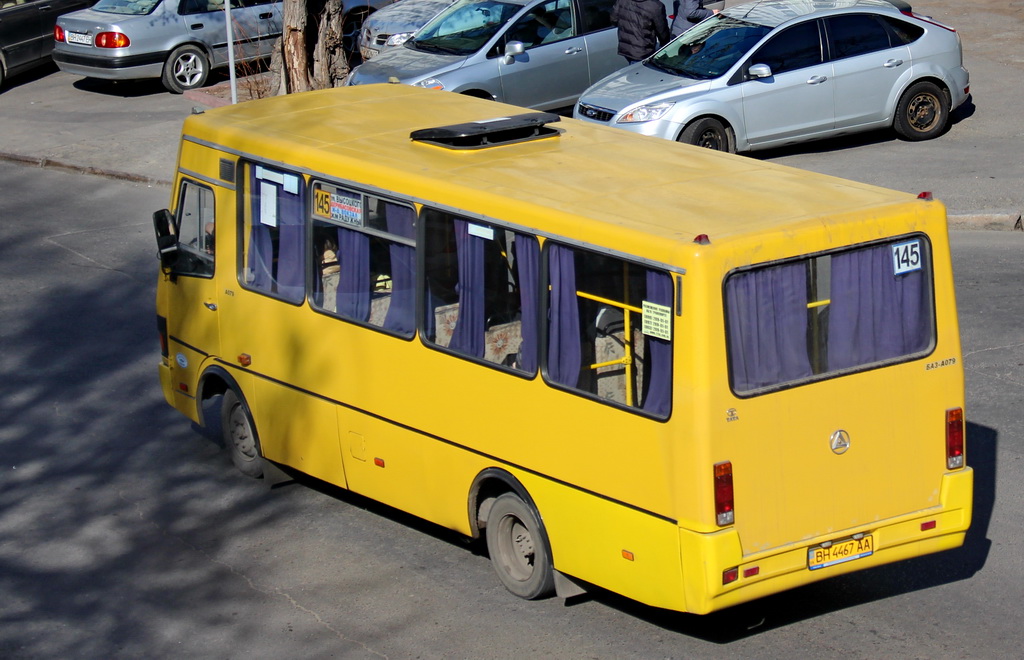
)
(364, 249)
(273, 226)
(610, 329)
(196, 228)
(481, 290)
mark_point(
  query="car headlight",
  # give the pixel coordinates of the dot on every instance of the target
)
(398, 39)
(645, 113)
(430, 83)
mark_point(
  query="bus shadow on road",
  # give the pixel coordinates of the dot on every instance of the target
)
(844, 591)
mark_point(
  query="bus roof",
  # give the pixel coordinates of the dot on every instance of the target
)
(623, 184)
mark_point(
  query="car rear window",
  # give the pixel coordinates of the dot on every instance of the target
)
(857, 34)
(127, 7)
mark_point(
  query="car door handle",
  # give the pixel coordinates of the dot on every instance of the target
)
(211, 306)
(892, 64)
(196, 26)
(815, 80)
(267, 15)
(573, 50)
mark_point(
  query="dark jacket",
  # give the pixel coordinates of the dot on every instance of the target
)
(642, 25)
(688, 13)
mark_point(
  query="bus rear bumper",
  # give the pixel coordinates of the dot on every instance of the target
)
(757, 575)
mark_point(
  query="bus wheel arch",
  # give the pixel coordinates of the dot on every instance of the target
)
(517, 542)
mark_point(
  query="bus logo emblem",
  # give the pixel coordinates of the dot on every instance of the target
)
(840, 442)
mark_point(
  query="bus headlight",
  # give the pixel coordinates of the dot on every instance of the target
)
(430, 83)
(645, 113)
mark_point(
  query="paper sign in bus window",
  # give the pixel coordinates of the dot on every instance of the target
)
(906, 257)
(268, 204)
(657, 321)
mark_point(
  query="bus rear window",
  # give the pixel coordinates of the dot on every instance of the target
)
(811, 318)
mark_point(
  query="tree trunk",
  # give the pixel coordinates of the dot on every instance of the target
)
(309, 54)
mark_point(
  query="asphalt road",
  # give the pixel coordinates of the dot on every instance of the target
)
(126, 533)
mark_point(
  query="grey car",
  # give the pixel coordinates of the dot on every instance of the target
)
(178, 41)
(534, 53)
(776, 72)
(393, 25)
(26, 32)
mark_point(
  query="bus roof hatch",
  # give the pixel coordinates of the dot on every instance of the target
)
(490, 132)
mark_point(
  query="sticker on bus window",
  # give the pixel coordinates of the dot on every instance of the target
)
(657, 321)
(906, 257)
(268, 204)
(481, 231)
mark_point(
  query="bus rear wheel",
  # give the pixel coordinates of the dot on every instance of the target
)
(518, 549)
(240, 436)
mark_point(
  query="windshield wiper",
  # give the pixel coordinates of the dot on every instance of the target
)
(432, 47)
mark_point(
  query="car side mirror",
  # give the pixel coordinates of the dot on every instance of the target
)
(511, 50)
(760, 71)
(166, 238)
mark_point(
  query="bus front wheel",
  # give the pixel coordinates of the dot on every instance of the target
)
(518, 549)
(240, 436)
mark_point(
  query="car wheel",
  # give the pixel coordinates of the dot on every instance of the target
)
(518, 549)
(240, 436)
(922, 113)
(186, 68)
(709, 133)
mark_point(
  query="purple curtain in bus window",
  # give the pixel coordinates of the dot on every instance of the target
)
(658, 399)
(354, 279)
(468, 334)
(564, 352)
(875, 315)
(528, 267)
(402, 309)
(767, 319)
(291, 236)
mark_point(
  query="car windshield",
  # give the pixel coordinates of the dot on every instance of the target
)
(465, 27)
(710, 48)
(129, 7)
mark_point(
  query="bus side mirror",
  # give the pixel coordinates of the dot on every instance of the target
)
(166, 238)
(511, 50)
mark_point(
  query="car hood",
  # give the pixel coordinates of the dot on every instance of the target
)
(398, 18)
(637, 83)
(405, 64)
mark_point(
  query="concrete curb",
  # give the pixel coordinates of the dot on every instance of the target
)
(50, 163)
(987, 221)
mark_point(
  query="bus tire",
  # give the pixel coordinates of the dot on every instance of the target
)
(240, 436)
(519, 552)
(922, 113)
(709, 133)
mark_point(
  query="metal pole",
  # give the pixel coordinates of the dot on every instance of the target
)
(231, 51)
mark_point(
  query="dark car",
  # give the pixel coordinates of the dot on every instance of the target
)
(26, 32)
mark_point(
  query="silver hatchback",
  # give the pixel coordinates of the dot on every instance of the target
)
(533, 53)
(776, 72)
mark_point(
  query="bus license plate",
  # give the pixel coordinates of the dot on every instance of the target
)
(79, 38)
(839, 552)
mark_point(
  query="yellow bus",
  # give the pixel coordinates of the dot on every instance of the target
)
(690, 378)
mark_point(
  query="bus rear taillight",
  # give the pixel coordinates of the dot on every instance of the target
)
(161, 326)
(723, 494)
(955, 438)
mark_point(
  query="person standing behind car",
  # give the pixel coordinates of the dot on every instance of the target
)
(689, 12)
(642, 27)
